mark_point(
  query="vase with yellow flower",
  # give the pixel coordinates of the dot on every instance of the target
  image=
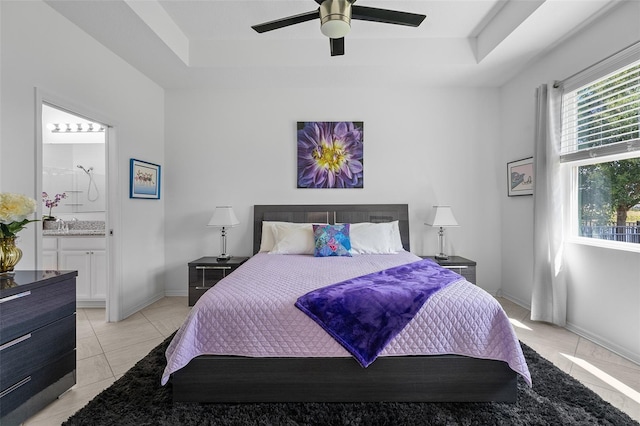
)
(14, 211)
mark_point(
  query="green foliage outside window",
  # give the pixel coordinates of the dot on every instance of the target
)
(609, 190)
(608, 113)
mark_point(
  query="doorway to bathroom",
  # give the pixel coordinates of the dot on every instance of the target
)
(75, 200)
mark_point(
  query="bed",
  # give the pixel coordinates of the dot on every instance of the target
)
(229, 348)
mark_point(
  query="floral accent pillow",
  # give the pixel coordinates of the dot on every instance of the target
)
(331, 240)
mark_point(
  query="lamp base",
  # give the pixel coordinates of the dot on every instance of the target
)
(223, 258)
(441, 255)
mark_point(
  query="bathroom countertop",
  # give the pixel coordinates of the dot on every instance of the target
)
(75, 228)
(73, 233)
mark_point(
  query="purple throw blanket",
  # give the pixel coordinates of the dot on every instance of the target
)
(365, 313)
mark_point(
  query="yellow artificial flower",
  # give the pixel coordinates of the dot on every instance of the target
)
(14, 210)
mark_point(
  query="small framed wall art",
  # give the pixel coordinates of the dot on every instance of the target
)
(144, 180)
(520, 177)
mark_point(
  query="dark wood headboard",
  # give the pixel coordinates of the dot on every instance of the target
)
(331, 213)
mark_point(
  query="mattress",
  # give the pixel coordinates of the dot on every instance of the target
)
(252, 313)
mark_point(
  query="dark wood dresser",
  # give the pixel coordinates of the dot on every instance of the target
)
(37, 341)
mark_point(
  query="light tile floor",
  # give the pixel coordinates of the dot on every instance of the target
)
(614, 378)
(105, 351)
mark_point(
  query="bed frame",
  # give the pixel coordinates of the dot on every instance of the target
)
(442, 378)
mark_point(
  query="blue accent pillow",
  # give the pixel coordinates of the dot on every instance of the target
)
(331, 240)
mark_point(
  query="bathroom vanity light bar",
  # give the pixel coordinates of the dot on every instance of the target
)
(75, 128)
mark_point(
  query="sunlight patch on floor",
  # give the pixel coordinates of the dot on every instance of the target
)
(611, 381)
(518, 324)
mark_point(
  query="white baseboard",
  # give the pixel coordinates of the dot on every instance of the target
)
(605, 343)
(142, 305)
(617, 349)
(517, 301)
(182, 293)
(89, 304)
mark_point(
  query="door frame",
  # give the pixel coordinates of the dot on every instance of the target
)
(113, 309)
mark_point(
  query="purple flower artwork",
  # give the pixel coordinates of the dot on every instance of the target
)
(330, 154)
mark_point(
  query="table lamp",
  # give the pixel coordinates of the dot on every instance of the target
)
(442, 218)
(223, 217)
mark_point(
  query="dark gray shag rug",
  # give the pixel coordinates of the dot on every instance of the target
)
(555, 399)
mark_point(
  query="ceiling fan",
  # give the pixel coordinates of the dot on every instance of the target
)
(335, 20)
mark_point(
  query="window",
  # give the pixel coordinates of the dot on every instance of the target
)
(600, 150)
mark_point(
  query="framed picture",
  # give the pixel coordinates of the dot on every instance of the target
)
(330, 154)
(145, 180)
(520, 177)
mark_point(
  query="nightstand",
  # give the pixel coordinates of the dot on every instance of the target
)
(459, 265)
(205, 272)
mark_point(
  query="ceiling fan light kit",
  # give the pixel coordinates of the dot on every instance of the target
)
(335, 20)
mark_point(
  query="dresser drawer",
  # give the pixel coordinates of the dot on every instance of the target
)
(459, 265)
(468, 272)
(41, 387)
(26, 354)
(194, 294)
(24, 312)
(203, 276)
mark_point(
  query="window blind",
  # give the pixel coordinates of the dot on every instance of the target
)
(603, 116)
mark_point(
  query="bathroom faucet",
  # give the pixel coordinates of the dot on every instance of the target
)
(62, 226)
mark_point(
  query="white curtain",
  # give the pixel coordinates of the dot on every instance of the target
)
(549, 297)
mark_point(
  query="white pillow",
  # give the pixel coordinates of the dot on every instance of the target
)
(396, 240)
(373, 238)
(293, 240)
(267, 240)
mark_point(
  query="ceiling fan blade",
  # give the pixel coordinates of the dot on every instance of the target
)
(285, 22)
(322, 1)
(387, 16)
(337, 46)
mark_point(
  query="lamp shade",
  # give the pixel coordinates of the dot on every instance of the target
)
(442, 217)
(223, 216)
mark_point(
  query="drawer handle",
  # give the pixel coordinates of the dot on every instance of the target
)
(213, 267)
(203, 288)
(15, 296)
(456, 267)
(15, 341)
(14, 387)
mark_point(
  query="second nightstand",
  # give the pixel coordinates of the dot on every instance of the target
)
(205, 272)
(459, 265)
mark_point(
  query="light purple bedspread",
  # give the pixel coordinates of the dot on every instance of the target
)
(252, 313)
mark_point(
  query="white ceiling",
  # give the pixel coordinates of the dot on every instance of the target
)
(210, 43)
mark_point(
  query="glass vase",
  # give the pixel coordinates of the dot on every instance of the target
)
(10, 255)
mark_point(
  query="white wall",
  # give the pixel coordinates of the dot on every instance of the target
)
(604, 285)
(421, 147)
(41, 49)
